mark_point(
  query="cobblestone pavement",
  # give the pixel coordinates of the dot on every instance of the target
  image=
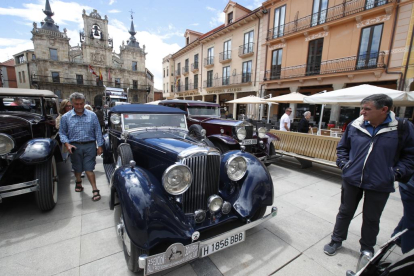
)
(78, 236)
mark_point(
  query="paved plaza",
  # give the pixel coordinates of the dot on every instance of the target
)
(78, 237)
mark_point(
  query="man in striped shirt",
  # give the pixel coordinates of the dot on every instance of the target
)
(80, 132)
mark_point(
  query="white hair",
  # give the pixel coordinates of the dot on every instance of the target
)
(87, 106)
(306, 113)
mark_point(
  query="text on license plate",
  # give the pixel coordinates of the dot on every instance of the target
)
(249, 142)
(222, 244)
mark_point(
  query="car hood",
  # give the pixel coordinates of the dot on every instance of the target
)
(165, 141)
(22, 116)
(223, 122)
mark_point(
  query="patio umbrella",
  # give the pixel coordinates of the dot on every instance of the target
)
(294, 97)
(410, 96)
(353, 96)
(154, 102)
(250, 100)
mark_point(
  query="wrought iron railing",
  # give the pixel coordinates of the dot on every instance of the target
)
(85, 82)
(226, 55)
(336, 12)
(178, 72)
(194, 66)
(188, 87)
(231, 80)
(246, 49)
(209, 61)
(185, 69)
(346, 64)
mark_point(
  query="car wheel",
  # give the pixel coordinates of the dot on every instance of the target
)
(124, 154)
(222, 147)
(272, 152)
(47, 195)
(131, 252)
(259, 213)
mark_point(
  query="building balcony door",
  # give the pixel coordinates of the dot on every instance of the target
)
(313, 66)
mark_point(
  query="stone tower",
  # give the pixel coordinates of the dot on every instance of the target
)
(96, 44)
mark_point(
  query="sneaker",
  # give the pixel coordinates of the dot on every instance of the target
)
(83, 174)
(331, 248)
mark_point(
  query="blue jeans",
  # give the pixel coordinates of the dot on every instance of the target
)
(407, 221)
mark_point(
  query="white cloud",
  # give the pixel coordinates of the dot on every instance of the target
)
(218, 18)
(7, 52)
(114, 11)
(111, 2)
(10, 41)
(255, 5)
(195, 24)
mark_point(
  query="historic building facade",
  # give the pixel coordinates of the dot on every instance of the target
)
(55, 65)
(318, 45)
(8, 75)
(220, 65)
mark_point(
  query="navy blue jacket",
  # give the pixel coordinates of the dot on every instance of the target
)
(368, 161)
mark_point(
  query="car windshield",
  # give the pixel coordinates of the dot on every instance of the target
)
(154, 120)
(25, 104)
(210, 111)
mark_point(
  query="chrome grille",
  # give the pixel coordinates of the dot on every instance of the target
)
(249, 132)
(206, 174)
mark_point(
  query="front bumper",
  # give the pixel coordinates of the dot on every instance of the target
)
(19, 189)
(157, 263)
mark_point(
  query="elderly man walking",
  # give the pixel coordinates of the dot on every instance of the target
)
(80, 132)
(367, 156)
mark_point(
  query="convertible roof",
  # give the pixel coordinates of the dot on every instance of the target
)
(19, 92)
(190, 102)
(146, 109)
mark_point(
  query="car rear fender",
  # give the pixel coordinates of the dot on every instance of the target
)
(39, 150)
(223, 138)
(150, 216)
(255, 188)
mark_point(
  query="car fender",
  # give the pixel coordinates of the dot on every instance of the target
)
(39, 150)
(150, 217)
(107, 153)
(255, 189)
(223, 138)
(270, 138)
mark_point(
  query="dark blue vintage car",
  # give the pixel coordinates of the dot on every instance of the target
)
(28, 148)
(176, 198)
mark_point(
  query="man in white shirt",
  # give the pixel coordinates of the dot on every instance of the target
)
(285, 120)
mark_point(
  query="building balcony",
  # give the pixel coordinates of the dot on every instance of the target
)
(346, 9)
(225, 57)
(209, 62)
(194, 67)
(36, 79)
(229, 81)
(185, 88)
(246, 50)
(178, 72)
(334, 66)
(185, 70)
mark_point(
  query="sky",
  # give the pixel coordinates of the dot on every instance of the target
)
(160, 24)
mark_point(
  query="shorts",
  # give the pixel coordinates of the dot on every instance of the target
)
(84, 157)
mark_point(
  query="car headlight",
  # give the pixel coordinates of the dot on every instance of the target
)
(115, 119)
(177, 179)
(241, 133)
(214, 203)
(261, 132)
(6, 143)
(236, 167)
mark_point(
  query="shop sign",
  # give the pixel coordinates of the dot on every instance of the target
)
(229, 90)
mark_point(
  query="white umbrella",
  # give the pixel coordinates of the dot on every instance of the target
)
(353, 96)
(410, 96)
(294, 97)
(248, 100)
(154, 102)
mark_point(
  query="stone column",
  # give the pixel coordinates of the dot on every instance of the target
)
(293, 114)
(336, 108)
(234, 107)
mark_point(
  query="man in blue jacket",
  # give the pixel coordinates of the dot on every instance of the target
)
(366, 155)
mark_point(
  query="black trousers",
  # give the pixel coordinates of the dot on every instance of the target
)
(374, 203)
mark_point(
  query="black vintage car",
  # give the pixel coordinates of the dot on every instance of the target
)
(176, 198)
(203, 118)
(28, 151)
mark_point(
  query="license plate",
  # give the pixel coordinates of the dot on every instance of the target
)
(222, 244)
(175, 255)
(249, 142)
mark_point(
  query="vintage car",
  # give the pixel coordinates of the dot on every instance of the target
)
(176, 198)
(28, 149)
(225, 134)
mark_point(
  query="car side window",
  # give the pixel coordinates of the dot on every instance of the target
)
(50, 107)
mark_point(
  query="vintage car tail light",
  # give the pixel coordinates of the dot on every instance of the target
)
(261, 132)
(199, 216)
(236, 167)
(177, 179)
(226, 207)
(214, 203)
(6, 143)
(241, 133)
